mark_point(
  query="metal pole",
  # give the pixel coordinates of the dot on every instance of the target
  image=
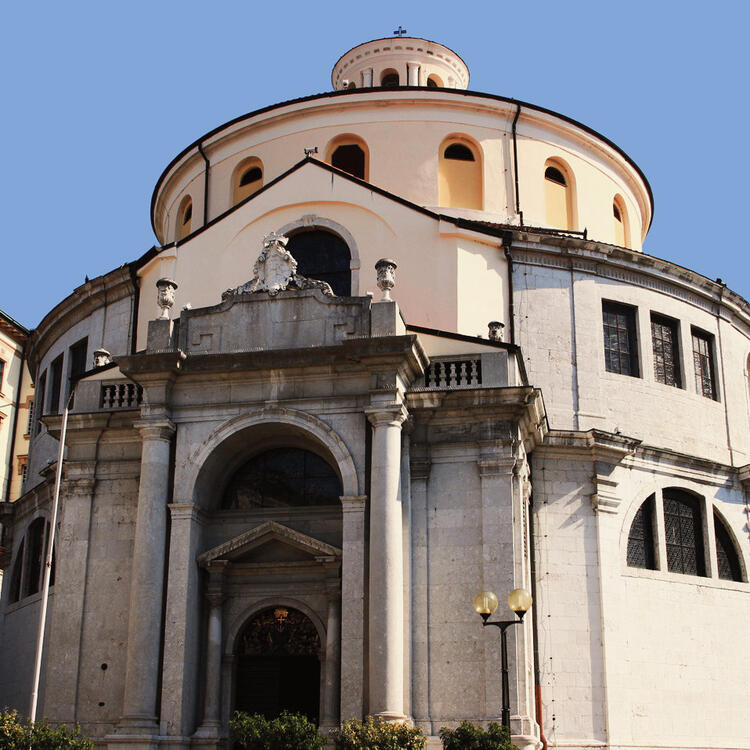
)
(506, 688)
(48, 564)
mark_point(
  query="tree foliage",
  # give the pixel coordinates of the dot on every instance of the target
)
(286, 732)
(376, 734)
(468, 736)
(17, 733)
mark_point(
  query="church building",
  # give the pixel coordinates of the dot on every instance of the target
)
(398, 343)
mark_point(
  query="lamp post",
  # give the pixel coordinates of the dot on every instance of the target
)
(485, 603)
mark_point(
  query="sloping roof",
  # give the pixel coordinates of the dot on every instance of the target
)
(13, 328)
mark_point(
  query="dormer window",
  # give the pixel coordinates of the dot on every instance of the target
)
(247, 179)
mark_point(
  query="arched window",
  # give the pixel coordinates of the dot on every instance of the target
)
(350, 154)
(620, 216)
(351, 85)
(684, 533)
(184, 217)
(28, 570)
(641, 540)
(558, 195)
(247, 179)
(324, 256)
(389, 78)
(683, 537)
(727, 559)
(434, 82)
(283, 477)
(459, 174)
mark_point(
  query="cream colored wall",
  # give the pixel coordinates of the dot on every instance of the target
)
(403, 139)
(559, 328)
(431, 255)
(21, 446)
(12, 398)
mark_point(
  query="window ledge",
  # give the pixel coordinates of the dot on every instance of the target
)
(690, 580)
(27, 601)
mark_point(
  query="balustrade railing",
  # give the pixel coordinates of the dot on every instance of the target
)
(120, 396)
(453, 373)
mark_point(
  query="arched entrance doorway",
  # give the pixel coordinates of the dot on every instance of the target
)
(278, 664)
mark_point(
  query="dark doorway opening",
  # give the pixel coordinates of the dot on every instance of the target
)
(278, 664)
(323, 256)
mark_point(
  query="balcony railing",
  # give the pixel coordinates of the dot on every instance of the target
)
(453, 373)
(485, 370)
(120, 396)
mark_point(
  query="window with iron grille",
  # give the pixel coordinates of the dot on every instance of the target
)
(703, 361)
(55, 370)
(40, 401)
(641, 540)
(664, 338)
(684, 533)
(620, 349)
(77, 359)
(30, 419)
(727, 559)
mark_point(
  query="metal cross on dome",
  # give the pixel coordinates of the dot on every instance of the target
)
(399, 31)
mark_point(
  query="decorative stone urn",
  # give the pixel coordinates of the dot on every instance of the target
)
(102, 357)
(386, 270)
(165, 296)
(496, 330)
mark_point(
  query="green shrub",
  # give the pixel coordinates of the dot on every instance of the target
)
(376, 734)
(470, 737)
(286, 732)
(18, 734)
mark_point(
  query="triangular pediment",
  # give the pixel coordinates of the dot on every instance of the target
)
(271, 542)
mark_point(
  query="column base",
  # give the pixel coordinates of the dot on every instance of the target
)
(392, 716)
(208, 730)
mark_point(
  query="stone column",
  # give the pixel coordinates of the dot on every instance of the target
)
(147, 579)
(352, 616)
(420, 472)
(366, 78)
(412, 74)
(211, 725)
(330, 713)
(386, 641)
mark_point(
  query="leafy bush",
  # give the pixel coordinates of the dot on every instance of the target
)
(18, 734)
(376, 734)
(470, 737)
(286, 732)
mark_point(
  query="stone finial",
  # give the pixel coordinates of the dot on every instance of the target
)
(496, 330)
(386, 270)
(102, 357)
(165, 296)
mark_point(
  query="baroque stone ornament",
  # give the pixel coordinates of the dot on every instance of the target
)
(386, 270)
(495, 330)
(275, 270)
(165, 296)
(102, 357)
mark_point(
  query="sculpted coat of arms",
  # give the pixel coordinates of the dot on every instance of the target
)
(275, 270)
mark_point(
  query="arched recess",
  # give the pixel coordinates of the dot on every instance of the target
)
(184, 218)
(247, 179)
(621, 222)
(460, 173)
(389, 78)
(322, 255)
(434, 81)
(559, 195)
(28, 569)
(349, 153)
(224, 451)
(312, 221)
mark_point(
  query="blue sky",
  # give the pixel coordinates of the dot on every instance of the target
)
(100, 96)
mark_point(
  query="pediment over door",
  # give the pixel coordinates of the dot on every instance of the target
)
(272, 543)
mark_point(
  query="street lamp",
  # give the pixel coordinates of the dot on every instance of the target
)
(485, 603)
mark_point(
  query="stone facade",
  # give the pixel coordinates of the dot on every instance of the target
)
(474, 429)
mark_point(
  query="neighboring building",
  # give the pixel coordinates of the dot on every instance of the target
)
(284, 490)
(16, 406)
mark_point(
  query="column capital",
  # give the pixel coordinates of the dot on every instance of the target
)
(155, 429)
(80, 486)
(490, 466)
(353, 503)
(185, 512)
(420, 468)
(389, 414)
